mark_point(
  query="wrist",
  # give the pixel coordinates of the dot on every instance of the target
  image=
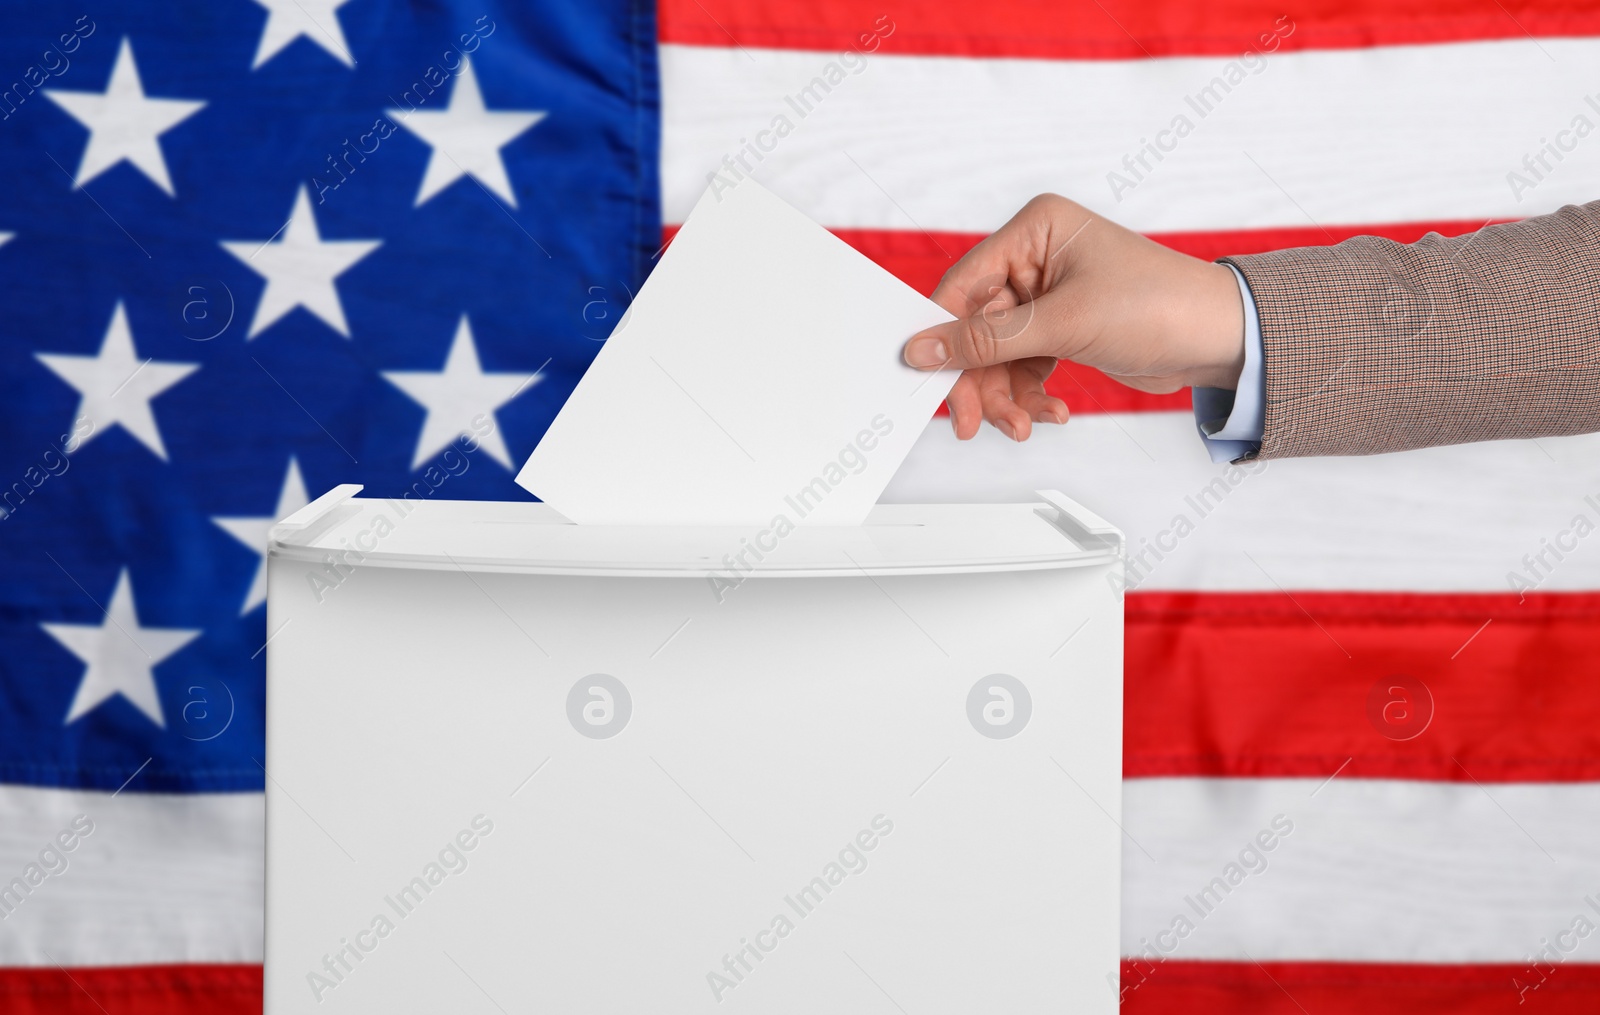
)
(1213, 329)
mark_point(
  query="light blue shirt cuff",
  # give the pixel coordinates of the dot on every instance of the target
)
(1231, 422)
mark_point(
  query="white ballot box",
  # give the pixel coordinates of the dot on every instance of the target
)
(522, 765)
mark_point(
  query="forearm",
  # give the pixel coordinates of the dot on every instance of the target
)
(1374, 346)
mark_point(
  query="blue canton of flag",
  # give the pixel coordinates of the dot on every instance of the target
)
(253, 249)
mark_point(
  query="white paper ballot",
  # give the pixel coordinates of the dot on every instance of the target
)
(757, 374)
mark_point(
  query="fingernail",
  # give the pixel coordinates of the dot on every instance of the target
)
(1052, 416)
(926, 352)
(1005, 427)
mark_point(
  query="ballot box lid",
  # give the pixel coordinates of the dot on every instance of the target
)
(523, 537)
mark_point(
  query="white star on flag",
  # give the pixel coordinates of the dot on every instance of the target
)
(456, 395)
(120, 656)
(5, 238)
(117, 385)
(287, 20)
(252, 532)
(466, 138)
(123, 123)
(300, 269)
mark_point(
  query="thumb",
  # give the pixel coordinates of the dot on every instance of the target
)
(998, 335)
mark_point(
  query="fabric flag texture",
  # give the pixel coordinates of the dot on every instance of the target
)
(252, 250)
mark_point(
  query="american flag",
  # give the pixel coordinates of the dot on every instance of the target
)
(256, 248)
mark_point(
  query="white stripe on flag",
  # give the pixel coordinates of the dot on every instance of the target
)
(1357, 136)
(1441, 519)
(1374, 871)
(1389, 871)
(158, 879)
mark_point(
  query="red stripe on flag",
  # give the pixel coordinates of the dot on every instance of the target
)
(920, 259)
(1110, 29)
(1309, 683)
(1294, 988)
(1177, 987)
(132, 990)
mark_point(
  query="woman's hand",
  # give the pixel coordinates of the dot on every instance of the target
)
(1060, 282)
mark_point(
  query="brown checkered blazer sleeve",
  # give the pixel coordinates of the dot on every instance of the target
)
(1372, 345)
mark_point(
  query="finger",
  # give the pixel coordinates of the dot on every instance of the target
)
(1027, 390)
(1019, 261)
(1039, 327)
(966, 406)
(1040, 407)
(981, 280)
(994, 385)
(983, 275)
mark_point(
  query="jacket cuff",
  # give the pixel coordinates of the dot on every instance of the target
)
(1230, 422)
